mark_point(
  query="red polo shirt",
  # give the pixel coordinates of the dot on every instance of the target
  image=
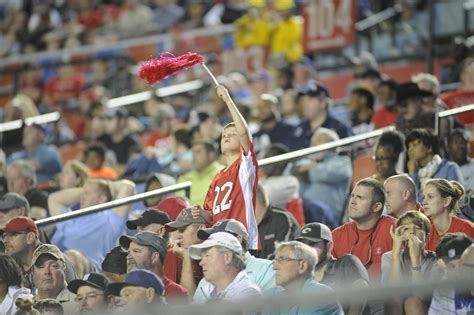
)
(457, 225)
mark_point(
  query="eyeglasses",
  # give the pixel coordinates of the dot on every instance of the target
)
(11, 235)
(88, 296)
(282, 260)
(369, 260)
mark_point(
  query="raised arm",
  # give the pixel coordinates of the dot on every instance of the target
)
(62, 199)
(239, 121)
(121, 189)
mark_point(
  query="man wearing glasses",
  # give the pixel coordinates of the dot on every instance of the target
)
(91, 295)
(334, 272)
(367, 236)
(294, 264)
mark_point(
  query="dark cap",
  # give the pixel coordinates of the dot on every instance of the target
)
(20, 224)
(145, 239)
(226, 225)
(186, 218)
(13, 200)
(409, 90)
(149, 216)
(93, 279)
(451, 246)
(315, 89)
(314, 232)
(115, 261)
(370, 73)
(138, 278)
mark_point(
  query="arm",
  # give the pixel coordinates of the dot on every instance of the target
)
(121, 189)
(63, 199)
(187, 274)
(240, 123)
(333, 170)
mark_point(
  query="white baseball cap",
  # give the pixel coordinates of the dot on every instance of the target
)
(216, 239)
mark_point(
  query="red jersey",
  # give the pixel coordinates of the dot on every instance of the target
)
(367, 245)
(173, 266)
(459, 98)
(232, 192)
(383, 117)
(174, 291)
(457, 225)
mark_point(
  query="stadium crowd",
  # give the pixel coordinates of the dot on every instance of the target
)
(245, 231)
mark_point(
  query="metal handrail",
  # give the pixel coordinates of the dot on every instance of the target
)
(323, 147)
(40, 119)
(377, 18)
(186, 186)
(452, 112)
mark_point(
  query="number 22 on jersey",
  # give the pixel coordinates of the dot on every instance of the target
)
(221, 200)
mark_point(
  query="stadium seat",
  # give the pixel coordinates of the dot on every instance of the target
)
(363, 166)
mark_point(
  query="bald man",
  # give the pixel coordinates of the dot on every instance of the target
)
(401, 195)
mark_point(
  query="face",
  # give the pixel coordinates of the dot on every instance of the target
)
(354, 102)
(286, 270)
(385, 161)
(68, 178)
(457, 148)
(110, 124)
(288, 104)
(154, 227)
(94, 160)
(384, 94)
(154, 184)
(433, 202)
(139, 257)
(230, 141)
(410, 108)
(201, 158)
(187, 236)
(312, 106)
(417, 150)
(263, 111)
(30, 137)
(212, 263)
(320, 247)
(16, 181)
(9, 214)
(48, 274)
(91, 300)
(16, 243)
(131, 297)
(412, 229)
(91, 196)
(394, 200)
(360, 203)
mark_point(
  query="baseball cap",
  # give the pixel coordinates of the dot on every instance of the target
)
(138, 278)
(93, 279)
(145, 239)
(13, 200)
(315, 89)
(315, 232)
(452, 246)
(20, 224)
(172, 205)
(186, 218)
(223, 239)
(225, 225)
(409, 90)
(47, 249)
(149, 216)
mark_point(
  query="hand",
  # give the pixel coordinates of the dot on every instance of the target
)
(222, 92)
(415, 248)
(303, 168)
(197, 211)
(398, 236)
(412, 166)
(178, 250)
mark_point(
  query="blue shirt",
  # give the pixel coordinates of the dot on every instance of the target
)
(93, 235)
(47, 156)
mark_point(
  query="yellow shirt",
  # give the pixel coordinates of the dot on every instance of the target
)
(287, 39)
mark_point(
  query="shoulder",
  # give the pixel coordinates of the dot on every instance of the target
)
(463, 224)
(387, 220)
(312, 285)
(343, 229)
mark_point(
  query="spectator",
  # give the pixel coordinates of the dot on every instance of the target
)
(232, 191)
(49, 307)
(44, 158)
(10, 285)
(178, 266)
(95, 158)
(294, 264)
(224, 268)
(157, 181)
(315, 100)
(62, 91)
(73, 175)
(334, 272)
(274, 225)
(114, 266)
(205, 168)
(86, 233)
(386, 115)
(408, 261)
(327, 176)
(91, 293)
(361, 107)
(13, 205)
(258, 270)
(289, 109)
(387, 153)
(179, 159)
(271, 128)
(135, 19)
(151, 220)
(140, 288)
(367, 236)
(412, 115)
(401, 195)
(147, 250)
(21, 179)
(424, 162)
(455, 256)
(458, 152)
(440, 200)
(49, 276)
(166, 14)
(173, 205)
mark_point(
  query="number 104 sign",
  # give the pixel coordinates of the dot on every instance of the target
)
(328, 24)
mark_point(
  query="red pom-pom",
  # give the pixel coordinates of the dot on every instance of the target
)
(166, 64)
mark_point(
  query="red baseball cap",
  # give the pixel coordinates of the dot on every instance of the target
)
(20, 224)
(172, 206)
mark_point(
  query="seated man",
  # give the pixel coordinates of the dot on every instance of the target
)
(91, 293)
(401, 195)
(114, 266)
(224, 268)
(294, 264)
(87, 233)
(151, 220)
(140, 289)
(13, 205)
(49, 277)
